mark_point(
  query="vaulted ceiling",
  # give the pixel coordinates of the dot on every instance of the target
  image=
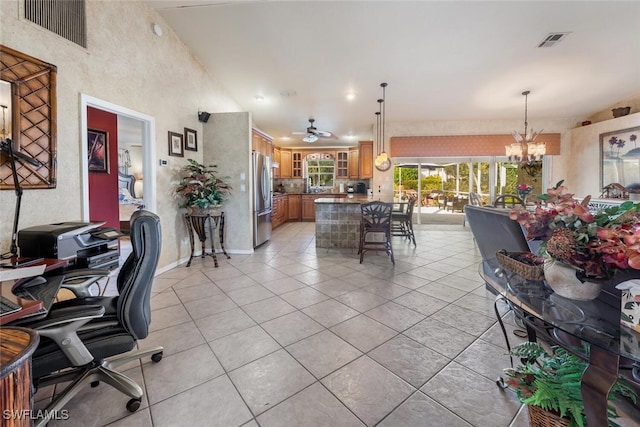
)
(443, 60)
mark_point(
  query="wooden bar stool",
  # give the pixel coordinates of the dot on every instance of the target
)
(376, 219)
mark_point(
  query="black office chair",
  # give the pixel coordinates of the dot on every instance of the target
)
(87, 337)
(376, 219)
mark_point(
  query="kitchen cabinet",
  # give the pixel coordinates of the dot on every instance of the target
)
(342, 164)
(294, 207)
(285, 163)
(309, 207)
(261, 143)
(279, 210)
(296, 165)
(354, 172)
(276, 159)
(365, 160)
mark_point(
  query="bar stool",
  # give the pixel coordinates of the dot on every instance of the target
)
(376, 218)
(402, 221)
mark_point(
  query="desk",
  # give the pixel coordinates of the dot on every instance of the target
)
(559, 320)
(16, 347)
(198, 223)
(11, 278)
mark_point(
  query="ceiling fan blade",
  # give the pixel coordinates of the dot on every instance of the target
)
(323, 134)
(299, 133)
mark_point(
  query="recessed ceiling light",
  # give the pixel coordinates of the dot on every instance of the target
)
(351, 96)
(286, 93)
(285, 138)
(259, 98)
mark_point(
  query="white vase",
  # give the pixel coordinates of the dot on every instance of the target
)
(563, 280)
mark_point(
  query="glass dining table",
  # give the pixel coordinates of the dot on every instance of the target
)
(613, 350)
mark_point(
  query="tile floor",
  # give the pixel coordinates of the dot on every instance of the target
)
(298, 336)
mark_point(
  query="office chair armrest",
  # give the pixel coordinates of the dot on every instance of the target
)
(61, 326)
(67, 315)
(80, 281)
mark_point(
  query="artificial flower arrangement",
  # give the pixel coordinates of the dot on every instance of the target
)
(523, 190)
(597, 244)
(200, 187)
(551, 381)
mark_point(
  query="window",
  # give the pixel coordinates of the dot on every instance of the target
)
(321, 172)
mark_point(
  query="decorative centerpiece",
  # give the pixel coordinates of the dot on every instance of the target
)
(581, 249)
(549, 383)
(200, 190)
(523, 191)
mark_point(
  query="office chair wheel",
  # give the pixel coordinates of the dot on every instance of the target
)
(133, 405)
(157, 357)
(95, 384)
(500, 383)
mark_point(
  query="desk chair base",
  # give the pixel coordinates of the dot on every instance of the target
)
(94, 373)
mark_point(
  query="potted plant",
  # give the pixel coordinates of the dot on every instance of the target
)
(200, 188)
(551, 382)
(580, 245)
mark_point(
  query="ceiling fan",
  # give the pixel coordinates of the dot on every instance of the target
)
(313, 134)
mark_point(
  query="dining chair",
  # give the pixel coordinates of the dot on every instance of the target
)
(375, 221)
(402, 221)
(507, 201)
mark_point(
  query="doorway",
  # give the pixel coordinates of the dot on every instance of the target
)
(148, 151)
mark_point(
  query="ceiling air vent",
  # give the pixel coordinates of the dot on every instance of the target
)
(553, 39)
(66, 18)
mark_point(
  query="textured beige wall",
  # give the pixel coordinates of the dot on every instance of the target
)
(127, 65)
(228, 139)
(582, 169)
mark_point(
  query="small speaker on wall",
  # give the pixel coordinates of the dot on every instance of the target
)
(203, 116)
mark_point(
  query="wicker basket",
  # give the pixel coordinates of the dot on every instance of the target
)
(529, 272)
(538, 417)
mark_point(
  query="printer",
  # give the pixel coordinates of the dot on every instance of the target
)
(84, 244)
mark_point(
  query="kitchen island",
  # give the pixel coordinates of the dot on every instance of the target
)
(338, 220)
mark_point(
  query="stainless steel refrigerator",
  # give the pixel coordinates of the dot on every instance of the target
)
(261, 198)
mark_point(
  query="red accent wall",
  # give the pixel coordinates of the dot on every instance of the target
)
(103, 187)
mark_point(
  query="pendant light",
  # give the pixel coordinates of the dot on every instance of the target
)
(525, 149)
(382, 162)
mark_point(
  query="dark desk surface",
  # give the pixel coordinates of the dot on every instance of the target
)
(28, 306)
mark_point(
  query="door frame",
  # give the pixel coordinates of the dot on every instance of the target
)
(148, 149)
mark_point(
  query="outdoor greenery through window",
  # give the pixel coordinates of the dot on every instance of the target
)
(321, 173)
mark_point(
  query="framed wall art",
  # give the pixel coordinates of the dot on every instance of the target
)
(98, 150)
(620, 158)
(190, 139)
(175, 144)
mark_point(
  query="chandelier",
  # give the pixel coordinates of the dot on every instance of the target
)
(382, 161)
(525, 149)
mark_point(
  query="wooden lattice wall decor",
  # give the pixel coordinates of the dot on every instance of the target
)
(33, 119)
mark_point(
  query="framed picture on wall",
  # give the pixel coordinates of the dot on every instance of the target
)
(98, 150)
(190, 139)
(175, 144)
(620, 158)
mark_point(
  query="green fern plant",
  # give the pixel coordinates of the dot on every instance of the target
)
(552, 382)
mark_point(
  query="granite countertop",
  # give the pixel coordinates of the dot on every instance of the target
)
(276, 193)
(358, 199)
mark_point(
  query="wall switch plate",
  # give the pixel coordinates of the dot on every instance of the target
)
(164, 162)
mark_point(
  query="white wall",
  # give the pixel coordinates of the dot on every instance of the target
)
(127, 65)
